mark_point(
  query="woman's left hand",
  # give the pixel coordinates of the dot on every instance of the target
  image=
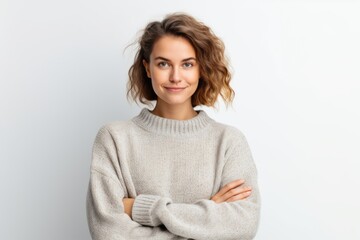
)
(232, 191)
(128, 204)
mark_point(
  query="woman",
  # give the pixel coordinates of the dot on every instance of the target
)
(173, 172)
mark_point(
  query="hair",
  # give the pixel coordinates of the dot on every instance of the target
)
(214, 73)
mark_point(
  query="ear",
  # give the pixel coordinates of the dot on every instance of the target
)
(146, 65)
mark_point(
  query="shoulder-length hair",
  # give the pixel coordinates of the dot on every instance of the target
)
(214, 73)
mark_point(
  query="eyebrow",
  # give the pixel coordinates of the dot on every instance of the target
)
(184, 60)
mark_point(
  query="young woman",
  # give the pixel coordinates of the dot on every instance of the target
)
(172, 172)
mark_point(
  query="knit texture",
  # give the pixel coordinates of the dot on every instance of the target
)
(171, 168)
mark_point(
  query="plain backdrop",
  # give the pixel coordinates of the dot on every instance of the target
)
(295, 64)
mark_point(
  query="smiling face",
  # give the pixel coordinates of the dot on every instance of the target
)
(173, 70)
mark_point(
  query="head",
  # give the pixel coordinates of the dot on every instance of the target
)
(214, 76)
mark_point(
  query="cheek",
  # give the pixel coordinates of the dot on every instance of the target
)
(193, 77)
(159, 76)
(195, 85)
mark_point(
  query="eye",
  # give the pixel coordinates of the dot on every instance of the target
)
(188, 65)
(163, 64)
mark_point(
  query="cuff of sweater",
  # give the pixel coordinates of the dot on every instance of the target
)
(142, 208)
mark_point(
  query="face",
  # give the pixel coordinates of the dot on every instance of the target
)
(173, 70)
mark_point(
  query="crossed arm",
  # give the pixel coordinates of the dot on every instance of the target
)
(231, 192)
(230, 214)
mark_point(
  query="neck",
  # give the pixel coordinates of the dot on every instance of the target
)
(173, 111)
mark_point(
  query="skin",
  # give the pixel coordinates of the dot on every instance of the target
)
(174, 73)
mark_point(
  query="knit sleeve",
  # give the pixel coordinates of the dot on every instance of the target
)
(205, 219)
(105, 211)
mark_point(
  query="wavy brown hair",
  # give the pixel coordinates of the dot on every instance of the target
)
(214, 73)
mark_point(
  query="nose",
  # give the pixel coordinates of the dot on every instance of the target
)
(175, 75)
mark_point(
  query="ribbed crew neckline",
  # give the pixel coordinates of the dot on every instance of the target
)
(165, 126)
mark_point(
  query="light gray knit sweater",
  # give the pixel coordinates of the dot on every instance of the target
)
(172, 168)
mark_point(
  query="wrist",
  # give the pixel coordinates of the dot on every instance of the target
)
(128, 206)
(142, 210)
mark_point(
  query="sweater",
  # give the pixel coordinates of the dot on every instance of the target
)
(171, 168)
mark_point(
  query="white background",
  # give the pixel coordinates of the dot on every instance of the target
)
(63, 73)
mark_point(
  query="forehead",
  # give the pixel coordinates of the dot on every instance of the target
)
(173, 48)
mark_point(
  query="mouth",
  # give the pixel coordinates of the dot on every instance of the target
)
(174, 89)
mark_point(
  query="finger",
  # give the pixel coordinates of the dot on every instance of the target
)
(240, 196)
(229, 186)
(219, 197)
(235, 191)
(226, 188)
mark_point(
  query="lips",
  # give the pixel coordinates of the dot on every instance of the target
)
(174, 89)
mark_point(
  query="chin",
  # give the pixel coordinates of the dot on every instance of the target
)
(176, 101)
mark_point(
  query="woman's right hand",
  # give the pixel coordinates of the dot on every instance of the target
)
(232, 191)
